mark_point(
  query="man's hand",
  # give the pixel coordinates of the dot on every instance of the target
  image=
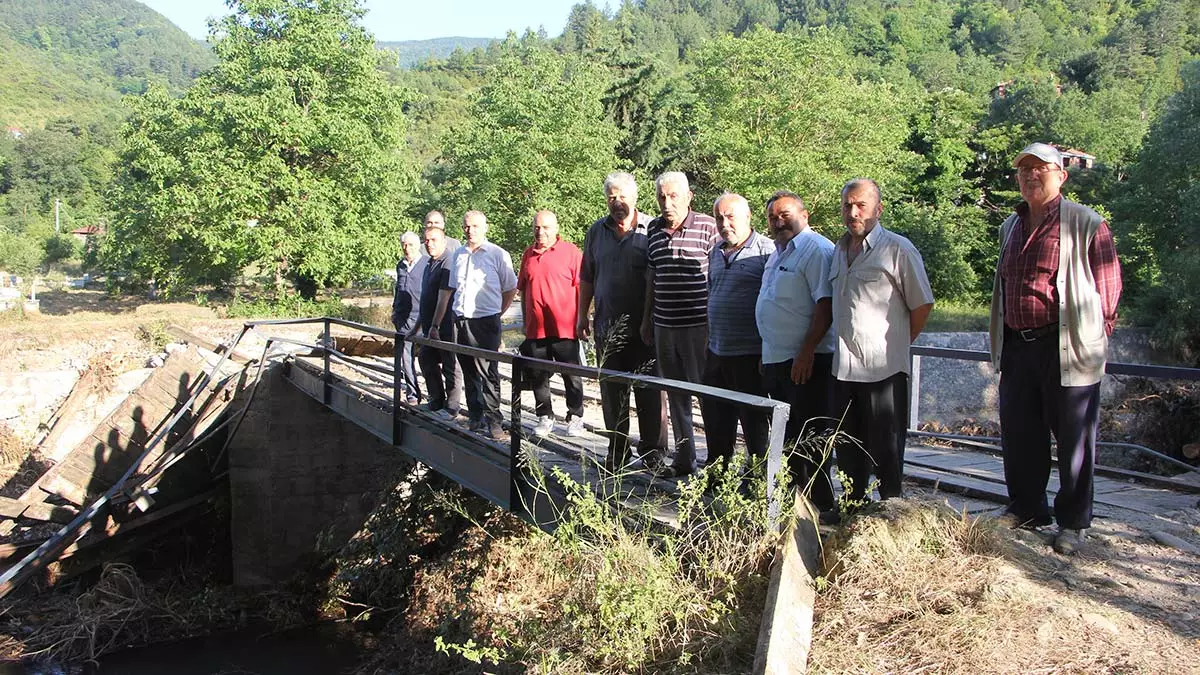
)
(648, 332)
(582, 328)
(802, 365)
(433, 333)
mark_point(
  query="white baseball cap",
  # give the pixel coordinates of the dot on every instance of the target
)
(1043, 151)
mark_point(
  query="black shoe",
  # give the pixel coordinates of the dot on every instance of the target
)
(830, 517)
(681, 472)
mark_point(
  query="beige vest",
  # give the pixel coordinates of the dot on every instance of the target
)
(1082, 342)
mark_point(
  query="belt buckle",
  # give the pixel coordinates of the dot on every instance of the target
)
(1027, 334)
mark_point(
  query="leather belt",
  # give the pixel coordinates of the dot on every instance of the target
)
(1034, 334)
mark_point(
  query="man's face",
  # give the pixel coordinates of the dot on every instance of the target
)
(475, 226)
(622, 201)
(435, 241)
(1039, 181)
(545, 230)
(733, 220)
(674, 201)
(786, 219)
(412, 250)
(860, 210)
(435, 219)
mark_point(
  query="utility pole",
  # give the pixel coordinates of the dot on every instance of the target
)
(56, 203)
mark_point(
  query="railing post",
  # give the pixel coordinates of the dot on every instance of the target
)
(327, 376)
(779, 418)
(914, 394)
(397, 388)
(518, 491)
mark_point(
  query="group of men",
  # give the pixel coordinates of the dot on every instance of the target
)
(825, 326)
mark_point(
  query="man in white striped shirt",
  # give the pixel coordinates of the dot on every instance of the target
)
(676, 314)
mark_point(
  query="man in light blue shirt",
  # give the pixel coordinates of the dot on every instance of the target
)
(482, 285)
(794, 313)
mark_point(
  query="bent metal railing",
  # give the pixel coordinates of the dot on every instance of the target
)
(520, 488)
(1112, 368)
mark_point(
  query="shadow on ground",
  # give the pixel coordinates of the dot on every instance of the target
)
(63, 302)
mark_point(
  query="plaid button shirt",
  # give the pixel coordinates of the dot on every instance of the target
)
(1029, 271)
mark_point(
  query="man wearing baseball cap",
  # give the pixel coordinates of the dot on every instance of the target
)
(1054, 303)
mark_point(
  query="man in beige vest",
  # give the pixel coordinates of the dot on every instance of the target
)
(1054, 302)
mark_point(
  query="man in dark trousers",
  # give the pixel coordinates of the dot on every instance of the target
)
(482, 286)
(405, 311)
(549, 285)
(794, 314)
(443, 379)
(1054, 303)
(881, 300)
(613, 273)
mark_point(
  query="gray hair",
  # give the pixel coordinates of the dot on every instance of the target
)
(675, 177)
(410, 236)
(784, 194)
(733, 197)
(439, 212)
(468, 214)
(621, 179)
(859, 182)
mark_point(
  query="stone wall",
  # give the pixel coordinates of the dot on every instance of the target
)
(953, 390)
(301, 480)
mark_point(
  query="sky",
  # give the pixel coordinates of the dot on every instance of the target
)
(407, 20)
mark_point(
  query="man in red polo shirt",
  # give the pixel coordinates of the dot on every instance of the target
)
(549, 283)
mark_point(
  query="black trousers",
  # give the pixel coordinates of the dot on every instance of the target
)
(877, 416)
(406, 361)
(624, 350)
(1034, 405)
(481, 377)
(721, 417)
(810, 412)
(443, 379)
(562, 350)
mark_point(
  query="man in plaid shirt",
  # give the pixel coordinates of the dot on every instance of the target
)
(1054, 303)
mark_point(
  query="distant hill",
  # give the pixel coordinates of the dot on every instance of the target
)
(78, 57)
(411, 52)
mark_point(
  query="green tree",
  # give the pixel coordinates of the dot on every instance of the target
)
(785, 111)
(538, 137)
(287, 155)
(1158, 222)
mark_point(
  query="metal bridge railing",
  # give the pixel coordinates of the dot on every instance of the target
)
(777, 411)
(1112, 368)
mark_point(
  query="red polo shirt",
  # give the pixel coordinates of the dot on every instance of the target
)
(548, 283)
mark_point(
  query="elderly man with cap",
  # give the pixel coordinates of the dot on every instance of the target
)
(1054, 303)
(406, 309)
(794, 314)
(881, 300)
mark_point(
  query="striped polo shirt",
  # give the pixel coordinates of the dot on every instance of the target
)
(734, 279)
(680, 263)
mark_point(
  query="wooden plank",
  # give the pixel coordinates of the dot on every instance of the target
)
(11, 508)
(190, 337)
(49, 513)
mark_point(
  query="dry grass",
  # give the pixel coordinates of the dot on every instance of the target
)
(919, 588)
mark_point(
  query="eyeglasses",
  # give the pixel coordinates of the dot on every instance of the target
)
(1037, 170)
